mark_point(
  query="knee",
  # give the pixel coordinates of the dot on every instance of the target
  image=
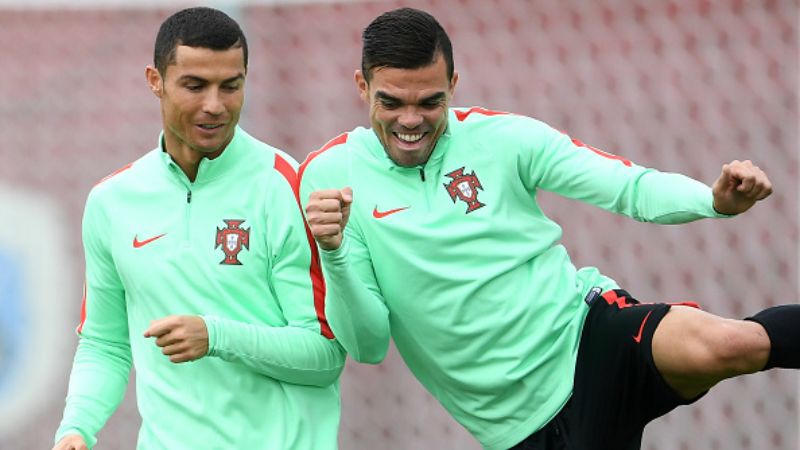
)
(733, 347)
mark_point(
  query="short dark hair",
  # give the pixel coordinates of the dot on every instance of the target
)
(404, 38)
(196, 27)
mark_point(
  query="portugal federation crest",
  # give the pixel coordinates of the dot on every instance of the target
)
(232, 239)
(464, 187)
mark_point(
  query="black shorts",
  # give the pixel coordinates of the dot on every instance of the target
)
(617, 388)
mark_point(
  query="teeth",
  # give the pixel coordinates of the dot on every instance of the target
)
(410, 137)
(209, 127)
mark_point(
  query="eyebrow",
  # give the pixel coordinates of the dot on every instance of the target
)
(381, 95)
(203, 80)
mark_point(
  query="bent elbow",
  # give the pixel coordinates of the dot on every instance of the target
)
(371, 355)
(374, 358)
(325, 380)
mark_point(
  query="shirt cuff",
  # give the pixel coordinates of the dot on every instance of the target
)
(211, 326)
(336, 257)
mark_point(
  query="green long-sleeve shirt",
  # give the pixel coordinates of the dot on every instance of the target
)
(458, 261)
(232, 247)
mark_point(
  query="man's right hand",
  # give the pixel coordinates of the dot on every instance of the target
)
(327, 213)
(71, 442)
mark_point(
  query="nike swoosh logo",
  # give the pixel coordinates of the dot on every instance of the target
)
(638, 337)
(381, 214)
(137, 243)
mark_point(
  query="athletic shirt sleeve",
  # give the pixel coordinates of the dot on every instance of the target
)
(304, 351)
(553, 161)
(357, 313)
(102, 361)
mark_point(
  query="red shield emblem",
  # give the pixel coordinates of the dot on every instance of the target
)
(232, 239)
(464, 187)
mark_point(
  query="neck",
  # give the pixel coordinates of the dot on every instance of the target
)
(187, 158)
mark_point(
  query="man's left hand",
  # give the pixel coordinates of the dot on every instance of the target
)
(182, 338)
(740, 185)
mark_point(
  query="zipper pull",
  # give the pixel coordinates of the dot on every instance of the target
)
(188, 196)
(422, 173)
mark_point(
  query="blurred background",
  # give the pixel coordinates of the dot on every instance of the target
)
(680, 85)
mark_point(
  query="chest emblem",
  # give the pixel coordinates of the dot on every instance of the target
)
(232, 239)
(464, 187)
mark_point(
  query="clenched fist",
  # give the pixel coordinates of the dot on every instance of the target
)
(181, 338)
(71, 442)
(327, 213)
(739, 186)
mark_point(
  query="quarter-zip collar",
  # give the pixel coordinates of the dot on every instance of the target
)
(209, 169)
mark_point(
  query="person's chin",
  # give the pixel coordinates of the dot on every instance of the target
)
(407, 158)
(205, 147)
(211, 145)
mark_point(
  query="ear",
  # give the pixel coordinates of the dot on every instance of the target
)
(453, 82)
(362, 85)
(154, 80)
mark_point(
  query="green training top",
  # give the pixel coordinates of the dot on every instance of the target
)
(230, 246)
(457, 259)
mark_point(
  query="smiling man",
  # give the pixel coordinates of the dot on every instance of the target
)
(408, 118)
(200, 275)
(432, 235)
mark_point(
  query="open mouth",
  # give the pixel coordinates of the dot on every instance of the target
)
(410, 138)
(206, 126)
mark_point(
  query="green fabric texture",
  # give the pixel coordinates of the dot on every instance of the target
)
(270, 379)
(482, 301)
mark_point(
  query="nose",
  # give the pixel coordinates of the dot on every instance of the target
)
(410, 117)
(212, 103)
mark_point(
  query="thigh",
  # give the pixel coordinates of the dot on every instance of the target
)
(694, 350)
(618, 388)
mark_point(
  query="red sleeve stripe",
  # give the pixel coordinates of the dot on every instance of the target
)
(602, 153)
(341, 139)
(462, 115)
(315, 270)
(116, 172)
(83, 310)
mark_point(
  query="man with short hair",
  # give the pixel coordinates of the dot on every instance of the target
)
(430, 230)
(199, 273)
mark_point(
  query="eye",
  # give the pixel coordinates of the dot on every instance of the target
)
(194, 87)
(433, 103)
(388, 104)
(231, 87)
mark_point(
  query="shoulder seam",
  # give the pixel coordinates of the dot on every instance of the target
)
(338, 140)
(114, 173)
(462, 115)
(282, 166)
